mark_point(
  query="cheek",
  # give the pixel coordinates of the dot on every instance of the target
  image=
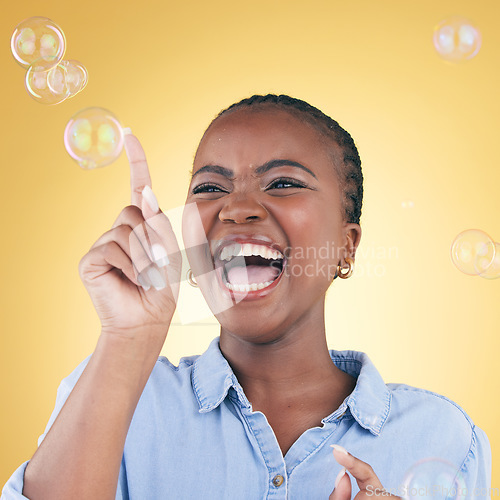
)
(315, 235)
(313, 225)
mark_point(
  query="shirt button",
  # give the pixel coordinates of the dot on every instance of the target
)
(278, 480)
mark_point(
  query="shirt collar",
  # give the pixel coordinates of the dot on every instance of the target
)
(212, 379)
(369, 403)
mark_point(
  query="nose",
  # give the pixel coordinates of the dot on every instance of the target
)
(241, 209)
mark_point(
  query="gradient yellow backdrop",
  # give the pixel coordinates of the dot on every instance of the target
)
(427, 132)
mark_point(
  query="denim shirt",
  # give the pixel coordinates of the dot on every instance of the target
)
(194, 436)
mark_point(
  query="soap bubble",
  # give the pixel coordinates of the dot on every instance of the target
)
(39, 45)
(492, 271)
(38, 39)
(456, 39)
(407, 204)
(93, 138)
(434, 478)
(54, 85)
(473, 251)
(47, 86)
(76, 76)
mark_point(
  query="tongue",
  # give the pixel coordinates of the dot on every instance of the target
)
(251, 274)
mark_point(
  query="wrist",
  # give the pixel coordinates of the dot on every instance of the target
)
(147, 335)
(131, 353)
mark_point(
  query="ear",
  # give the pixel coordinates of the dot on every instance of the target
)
(352, 237)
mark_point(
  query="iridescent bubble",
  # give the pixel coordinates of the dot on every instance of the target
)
(40, 40)
(492, 271)
(93, 138)
(76, 76)
(56, 84)
(434, 478)
(47, 86)
(456, 39)
(473, 251)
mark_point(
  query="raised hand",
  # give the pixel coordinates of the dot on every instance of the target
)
(132, 271)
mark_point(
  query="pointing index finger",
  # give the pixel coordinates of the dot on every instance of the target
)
(139, 172)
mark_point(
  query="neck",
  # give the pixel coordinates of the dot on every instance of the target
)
(294, 364)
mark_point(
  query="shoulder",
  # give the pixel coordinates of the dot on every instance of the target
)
(427, 405)
(400, 404)
(447, 430)
(421, 413)
(417, 419)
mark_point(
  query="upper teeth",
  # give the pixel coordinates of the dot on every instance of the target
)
(248, 249)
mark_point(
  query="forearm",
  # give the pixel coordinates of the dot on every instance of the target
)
(80, 456)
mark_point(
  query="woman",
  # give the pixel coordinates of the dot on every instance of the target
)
(274, 181)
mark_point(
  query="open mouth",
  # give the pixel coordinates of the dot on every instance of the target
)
(249, 267)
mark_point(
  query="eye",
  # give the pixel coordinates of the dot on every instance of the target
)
(285, 183)
(208, 187)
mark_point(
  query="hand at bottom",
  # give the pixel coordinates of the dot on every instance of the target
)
(368, 482)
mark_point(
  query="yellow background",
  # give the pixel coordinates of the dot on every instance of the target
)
(427, 132)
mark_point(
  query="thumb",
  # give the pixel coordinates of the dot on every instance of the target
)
(343, 489)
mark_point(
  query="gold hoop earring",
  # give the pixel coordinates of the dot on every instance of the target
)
(190, 278)
(350, 269)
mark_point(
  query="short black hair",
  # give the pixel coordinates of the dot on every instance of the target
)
(349, 173)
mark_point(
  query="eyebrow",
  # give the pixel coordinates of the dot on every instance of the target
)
(226, 172)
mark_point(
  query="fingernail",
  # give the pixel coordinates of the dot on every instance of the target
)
(340, 475)
(339, 448)
(149, 196)
(143, 281)
(159, 255)
(156, 278)
(126, 131)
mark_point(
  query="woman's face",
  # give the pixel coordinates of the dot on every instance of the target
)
(269, 200)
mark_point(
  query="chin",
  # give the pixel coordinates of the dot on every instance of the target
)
(262, 326)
